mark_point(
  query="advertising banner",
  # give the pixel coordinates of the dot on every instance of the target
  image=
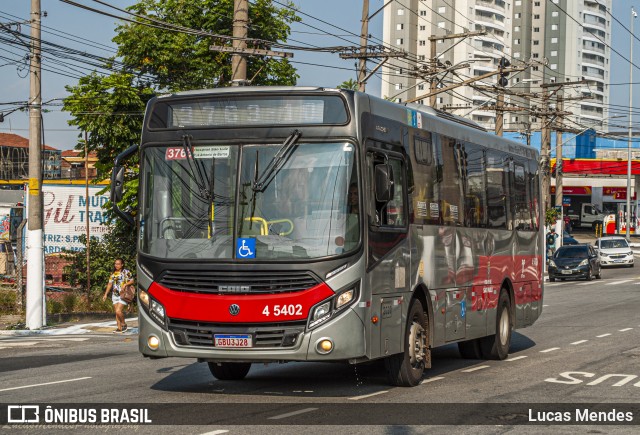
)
(66, 217)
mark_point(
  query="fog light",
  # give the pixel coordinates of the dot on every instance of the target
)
(153, 342)
(324, 346)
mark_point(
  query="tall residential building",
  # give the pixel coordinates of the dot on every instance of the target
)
(562, 40)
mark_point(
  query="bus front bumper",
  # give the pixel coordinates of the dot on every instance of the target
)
(345, 332)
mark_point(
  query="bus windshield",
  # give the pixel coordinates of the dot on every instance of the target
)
(189, 207)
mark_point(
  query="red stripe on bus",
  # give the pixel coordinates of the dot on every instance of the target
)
(253, 308)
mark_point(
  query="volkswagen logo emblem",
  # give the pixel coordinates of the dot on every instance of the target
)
(234, 309)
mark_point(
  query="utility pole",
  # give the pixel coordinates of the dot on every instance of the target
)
(628, 221)
(239, 48)
(86, 196)
(240, 32)
(434, 67)
(369, 52)
(362, 68)
(559, 168)
(36, 314)
(545, 146)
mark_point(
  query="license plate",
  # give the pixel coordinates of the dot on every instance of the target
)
(567, 272)
(618, 261)
(232, 341)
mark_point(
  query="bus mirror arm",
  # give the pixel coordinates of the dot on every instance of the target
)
(117, 184)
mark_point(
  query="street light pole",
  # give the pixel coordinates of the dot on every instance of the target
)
(628, 222)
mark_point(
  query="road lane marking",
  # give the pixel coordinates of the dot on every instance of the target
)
(291, 414)
(618, 282)
(551, 349)
(516, 358)
(625, 329)
(215, 432)
(46, 383)
(603, 335)
(436, 378)
(579, 342)
(368, 395)
(587, 283)
(545, 306)
(475, 368)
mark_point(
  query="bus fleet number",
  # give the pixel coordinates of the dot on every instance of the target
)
(283, 310)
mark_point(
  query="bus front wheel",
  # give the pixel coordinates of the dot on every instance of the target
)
(229, 371)
(405, 369)
(496, 346)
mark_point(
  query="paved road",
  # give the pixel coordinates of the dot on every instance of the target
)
(589, 328)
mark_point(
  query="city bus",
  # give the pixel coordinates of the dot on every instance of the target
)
(281, 224)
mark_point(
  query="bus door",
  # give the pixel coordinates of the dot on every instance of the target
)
(388, 257)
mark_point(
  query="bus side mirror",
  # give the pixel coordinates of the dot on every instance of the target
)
(384, 184)
(117, 183)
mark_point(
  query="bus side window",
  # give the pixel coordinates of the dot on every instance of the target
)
(392, 213)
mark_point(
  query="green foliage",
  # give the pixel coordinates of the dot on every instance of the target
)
(54, 306)
(551, 215)
(177, 61)
(7, 301)
(350, 84)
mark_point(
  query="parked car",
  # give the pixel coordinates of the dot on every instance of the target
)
(614, 251)
(575, 261)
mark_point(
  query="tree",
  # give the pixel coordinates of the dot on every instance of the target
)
(177, 61)
(349, 84)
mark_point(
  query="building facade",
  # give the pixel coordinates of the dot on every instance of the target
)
(561, 40)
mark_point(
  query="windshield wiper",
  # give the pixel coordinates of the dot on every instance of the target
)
(277, 162)
(204, 185)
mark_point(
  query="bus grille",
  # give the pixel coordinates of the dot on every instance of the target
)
(220, 282)
(190, 333)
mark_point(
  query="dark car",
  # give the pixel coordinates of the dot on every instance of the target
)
(568, 240)
(575, 261)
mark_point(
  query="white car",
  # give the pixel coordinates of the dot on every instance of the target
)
(614, 251)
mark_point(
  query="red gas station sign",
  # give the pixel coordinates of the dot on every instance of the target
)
(617, 192)
(573, 190)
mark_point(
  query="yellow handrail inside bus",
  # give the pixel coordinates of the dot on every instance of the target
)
(265, 224)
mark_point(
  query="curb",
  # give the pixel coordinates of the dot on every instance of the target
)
(66, 330)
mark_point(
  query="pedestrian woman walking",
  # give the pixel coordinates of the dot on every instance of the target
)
(120, 278)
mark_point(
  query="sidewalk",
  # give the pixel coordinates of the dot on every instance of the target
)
(76, 329)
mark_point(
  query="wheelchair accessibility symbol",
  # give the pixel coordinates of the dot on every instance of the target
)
(246, 248)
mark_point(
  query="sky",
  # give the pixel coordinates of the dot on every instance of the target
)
(84, 30)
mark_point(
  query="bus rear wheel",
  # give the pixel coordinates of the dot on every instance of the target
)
(229, 371)
(496, 346)
(406, 369)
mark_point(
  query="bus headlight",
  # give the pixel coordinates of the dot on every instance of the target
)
(157, 312)
(344, 298)
(327, 309)
(144, 298)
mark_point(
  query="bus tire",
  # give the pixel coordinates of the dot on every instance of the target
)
(406, 369)
(229, 371)
(470, 349)
(496, 346)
